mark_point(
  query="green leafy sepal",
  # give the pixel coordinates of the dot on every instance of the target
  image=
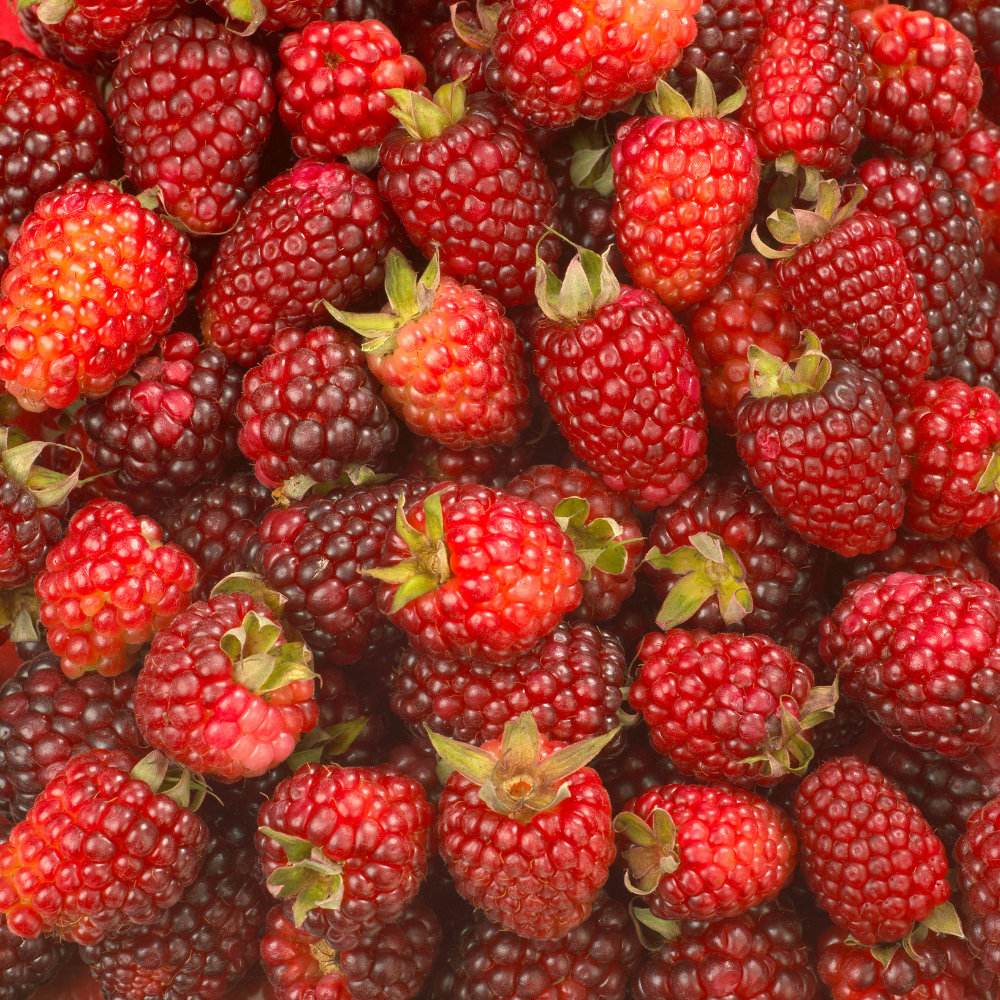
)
(311, 878)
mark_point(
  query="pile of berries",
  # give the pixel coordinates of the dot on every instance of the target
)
(500, 501)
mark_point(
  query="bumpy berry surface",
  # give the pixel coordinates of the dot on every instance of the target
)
(28, 963)
(551, 76)
(45, 718)
(973, 164)
(486, 465)
(332, 84)
(979, 362)
(90, 252)
(805, 88)
(102, 25)
(138, 850)
(513, 575)
(649, 442)
(922, 77)
(453, 59)
(678, 237)
(936, 227)
(316, 233)
(745, 860)
(711, 701)
(311, 408)
(191, 706)
(478, 194)
(373, 821)
(867, 854)
(192, 105)
(314, 554)
(840, 488)
(635, 770)
(977, 867)
(108, 586)
(515, 885)
(892, 636)
(27, 531)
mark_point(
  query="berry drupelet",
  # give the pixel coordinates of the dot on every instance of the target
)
(979, 362)
(28, 963)
(972, 161)
(977, 867)
(487, 465)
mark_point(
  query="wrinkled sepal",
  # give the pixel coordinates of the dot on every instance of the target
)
(18, 456)
(427, 119)
(53, 11)
(320, 745)
(364, 159)
(589, 284)
(597, 543)
(653, 932)
(164, 777)
(19, 613)
(311, 878)
(250, 583)
(259, 663)
(477, 37)
(655, 852)
(770, 376)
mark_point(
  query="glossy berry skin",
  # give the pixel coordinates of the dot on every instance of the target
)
(129, 275)
(593, 960)
(677, 236)
(108, 586)
(45, 718)
(172, 424)
(712, 701)
(776, 561)
(457, 373)
(644, 432)
(936, 227)
(571, 683)
(311, 408)
(315, 552)
(479, 195)
(192, 106)
(762, 947)
(559, 61)
(316, 233)
(101, 26)
(506, 868)
(893, 636)
(827, 461)
(805, 88)
(51, 131)
(332, 85)
(143, 866)
(604, 592)
(745, 308)
(487, 465)
(513, 576)
(972, 161)
(393, 962)
(855, 291)
(735, 849)
(868, 856)
(373, 821)
(26, 963)
(452, 59)
(977, 865)
(191, 706)
(205, 942)
(27, 532)
(947, 436)
(979, 363)
(922, 77)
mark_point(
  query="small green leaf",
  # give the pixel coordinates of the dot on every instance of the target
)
(413, 588)
(521, 743)
(944, 919)
(250, 583)
(569, 759)
(296, 849)
(583, 164)
(401, 286)
(653, 932)
(53, 11)
(433, 518)
(471, 762)
(882, 953)
(733, 103)
(684, 599)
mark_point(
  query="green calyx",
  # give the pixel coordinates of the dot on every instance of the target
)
(427, 119)
(410, 297)
(429, 564)
(597, 542)
(519, 782)
(252, 12)
(320, 746)
(990, 479)
(667, 101)
(298, 487)
(259, 663)
(798, 226)
(792, 182)
(590, 166)
(19, 613)
(654, 852)
(311, 878)
(770, 376)
(252, 584)
(18, 456)
(589, 283)
(706, 568)
(653, 932)
(943, 919)
(165, 777)
(478, 37)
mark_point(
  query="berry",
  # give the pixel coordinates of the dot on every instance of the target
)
(477, 574)
(108, 586)
(99, 846)
(805, 87)
(487, 465)
(922, 77)
(393, 963)
(972, 161)
(937, 228)
(917, 653)
(979, 363)
(820, 444)
(316, 233)
(977, 865)
(333, 82)
(223, 691)
(559, 61)
(868, 856)
(460, 56)
(678, 235)
(192, 106)
(705, 853)
(635, 770)
(119, 273)
(27, 964)
(171, 423)
(509, 819)
(100, 25)
(470, 185)
(352, 838)
(45, 718)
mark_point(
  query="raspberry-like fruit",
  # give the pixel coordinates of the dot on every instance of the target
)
(977, 867)
(972, 161)
(979, 362)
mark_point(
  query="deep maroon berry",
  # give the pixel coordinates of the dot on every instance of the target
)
(979, 362)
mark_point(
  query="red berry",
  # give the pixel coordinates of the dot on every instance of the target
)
(977, 866)
(972, 161)
(102, 25)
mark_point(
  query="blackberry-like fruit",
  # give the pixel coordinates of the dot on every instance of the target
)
(977, 878)
(979, 362)
(171, 423)
(26, 963)
(978, 21)
(487, 465)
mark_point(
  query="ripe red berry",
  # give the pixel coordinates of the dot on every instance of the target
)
(487, 465)
(979, 363)
(868, 856)
(972, 161)
(99, 25)
(977, 866)
(29, 963)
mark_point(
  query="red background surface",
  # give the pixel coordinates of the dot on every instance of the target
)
(11, 31)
